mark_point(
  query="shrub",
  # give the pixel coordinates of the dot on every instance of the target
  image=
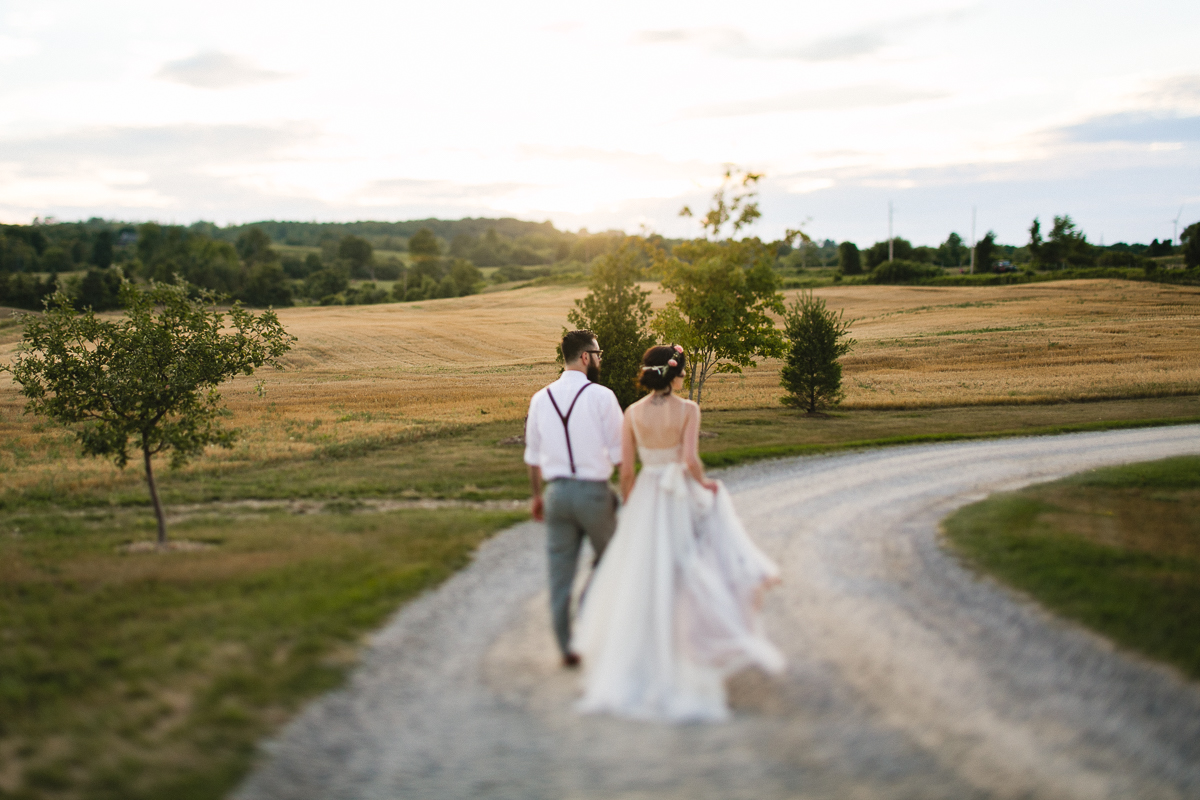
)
(326, 282)
(899, 271)
(100, 290)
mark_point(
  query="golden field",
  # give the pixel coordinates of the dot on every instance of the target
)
(392, 370)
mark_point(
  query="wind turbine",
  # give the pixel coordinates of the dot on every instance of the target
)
(1175, 221)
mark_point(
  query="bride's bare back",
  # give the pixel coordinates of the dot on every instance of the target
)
(662, 422)
(659, 420)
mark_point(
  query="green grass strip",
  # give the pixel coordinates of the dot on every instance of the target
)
(1116, 549)
(740, 455)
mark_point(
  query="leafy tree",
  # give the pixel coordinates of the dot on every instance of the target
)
(56, 259)
(424, 243)
(902, 271)
(462, 245)
(1066, 246)
(325, 283)
(254, 246)
(1190, 240)
(23, 290)
(952, 252)
(266, 285)
(391, 269)
(150, 377)
(985, 252)
(359, 254)
(421, 287)
(724, 295)
(734, 202)
(902, 250)
(618, 311)
(849, 259)
(491, 250)
(16, 254)
(465, 277)
(812, 375)
(100, 290)
(102, 249)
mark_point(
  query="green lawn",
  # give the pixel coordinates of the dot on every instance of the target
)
(1116, 549)
(152, 675)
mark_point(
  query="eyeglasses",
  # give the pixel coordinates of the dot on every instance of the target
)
(596, 353)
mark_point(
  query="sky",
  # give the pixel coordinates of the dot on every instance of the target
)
(607, 115)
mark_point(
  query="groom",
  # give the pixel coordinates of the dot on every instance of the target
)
(572, 443)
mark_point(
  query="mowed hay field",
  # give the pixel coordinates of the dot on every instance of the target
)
(383, 373)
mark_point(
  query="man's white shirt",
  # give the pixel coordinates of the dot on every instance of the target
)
(594, 425)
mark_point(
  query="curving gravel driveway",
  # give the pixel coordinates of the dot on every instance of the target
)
(908, 677)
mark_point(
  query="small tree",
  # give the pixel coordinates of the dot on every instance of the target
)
(985, 250)
(724, 295)
(812, 375)
(618, 311)
(424, 243)
(358, 252)
(1190, 239)
(849, 260)
(151, 376)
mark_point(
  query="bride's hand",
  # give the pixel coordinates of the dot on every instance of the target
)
(709, 484)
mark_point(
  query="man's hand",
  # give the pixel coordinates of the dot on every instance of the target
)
(537, 506)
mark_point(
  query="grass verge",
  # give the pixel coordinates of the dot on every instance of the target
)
(483, 461)
(152, 675)
(1117, 549)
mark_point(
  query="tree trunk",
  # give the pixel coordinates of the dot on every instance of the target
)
(158, 509)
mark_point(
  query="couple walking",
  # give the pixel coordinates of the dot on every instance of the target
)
(671, 607)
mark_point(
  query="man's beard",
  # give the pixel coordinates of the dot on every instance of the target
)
(593, 373)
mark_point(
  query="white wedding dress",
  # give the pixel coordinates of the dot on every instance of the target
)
(671, 610)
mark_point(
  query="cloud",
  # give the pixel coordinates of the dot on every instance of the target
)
(732, 43)
(1133, 127)
(412, 190)
(1183, 90)
(664, 37)
(862, 96)
(11, 48)
(200, 170)
(836, 48)
(216, 70)
(184, 148)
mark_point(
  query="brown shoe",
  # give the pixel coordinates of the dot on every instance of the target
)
(570, 661)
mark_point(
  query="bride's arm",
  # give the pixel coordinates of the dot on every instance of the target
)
(691, 448)
(628, 454)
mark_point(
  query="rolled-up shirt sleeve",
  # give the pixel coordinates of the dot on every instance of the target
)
(612, 428)
(533, 437)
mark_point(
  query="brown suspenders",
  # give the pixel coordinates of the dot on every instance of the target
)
(566, 418)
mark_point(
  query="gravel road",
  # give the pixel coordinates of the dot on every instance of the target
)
(909, 676)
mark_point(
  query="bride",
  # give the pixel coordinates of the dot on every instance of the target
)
(673, 607)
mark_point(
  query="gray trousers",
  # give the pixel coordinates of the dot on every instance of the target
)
(574, 509)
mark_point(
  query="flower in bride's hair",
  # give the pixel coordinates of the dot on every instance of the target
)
(672, 363)
(678, 349)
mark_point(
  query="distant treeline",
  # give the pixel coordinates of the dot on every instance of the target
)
(419, 260)
(1064, 246)
(374, 262)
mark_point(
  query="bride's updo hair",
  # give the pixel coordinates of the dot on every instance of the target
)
(661, 364)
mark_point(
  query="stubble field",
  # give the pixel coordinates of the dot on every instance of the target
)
(384, 374)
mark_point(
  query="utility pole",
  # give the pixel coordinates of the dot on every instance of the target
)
(972, 240)
(891, 241)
